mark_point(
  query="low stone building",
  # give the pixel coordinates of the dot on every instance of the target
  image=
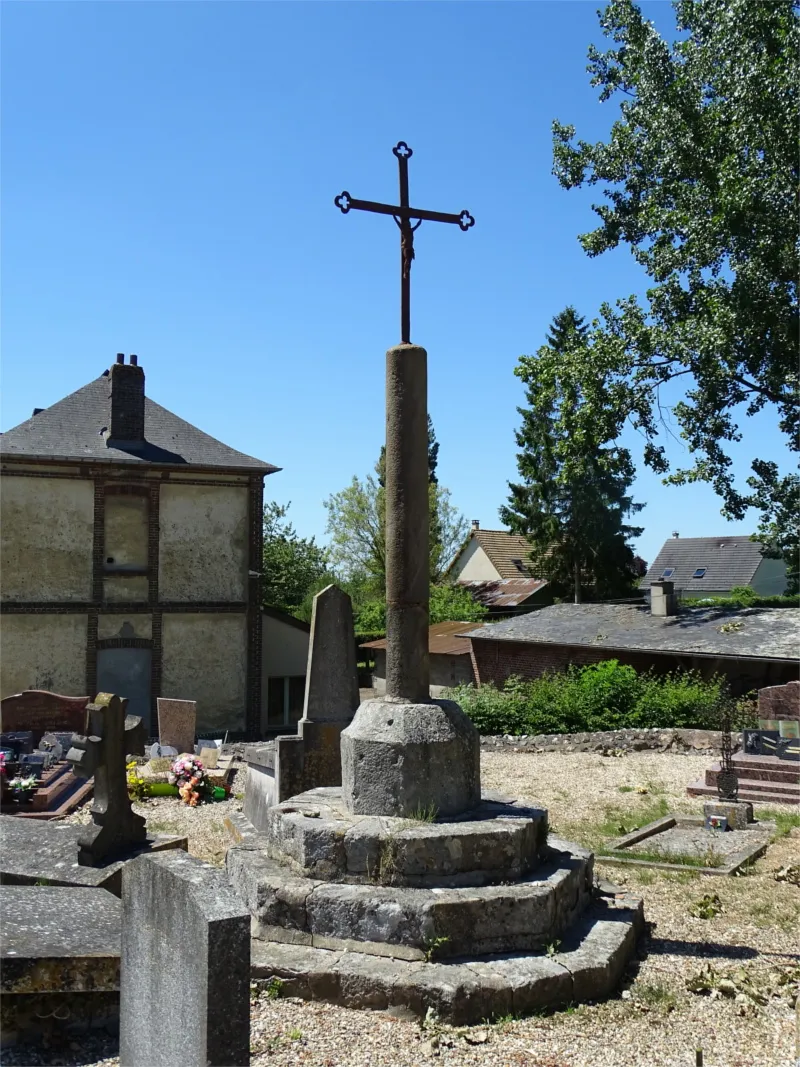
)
(752, 647)
(450, 659)
(131, 556)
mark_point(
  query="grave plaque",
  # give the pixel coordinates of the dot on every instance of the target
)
(20, 741)
(177, 723)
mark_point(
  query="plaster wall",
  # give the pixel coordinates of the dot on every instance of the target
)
(203, 550)
(770, 577)
(205, 659)
(446, 671)
(125, 531)
(474, 565)
(43, 652)
(46, 526)
(133, 590)
(124, 626)
(284, 649)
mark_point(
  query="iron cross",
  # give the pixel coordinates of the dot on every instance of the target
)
(403, 215)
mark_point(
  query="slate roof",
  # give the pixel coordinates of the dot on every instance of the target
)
(503, 592)
(444, 639)
(729, 561)
(72, 429)
(762, 633)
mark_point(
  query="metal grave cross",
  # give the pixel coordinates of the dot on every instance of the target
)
(403, 215)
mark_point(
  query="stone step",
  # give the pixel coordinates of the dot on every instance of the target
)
(790, 787)
(465, 990)
(524, 915)
(767, 768)
(752, 791)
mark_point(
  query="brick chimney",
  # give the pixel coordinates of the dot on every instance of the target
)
(476, 524)
(126, 382)
(663, 601)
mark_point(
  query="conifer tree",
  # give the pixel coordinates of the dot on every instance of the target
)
(573, 498)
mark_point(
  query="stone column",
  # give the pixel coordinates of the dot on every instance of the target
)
(407, 524)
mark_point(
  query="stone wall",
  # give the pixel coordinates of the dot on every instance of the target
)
(611, 741)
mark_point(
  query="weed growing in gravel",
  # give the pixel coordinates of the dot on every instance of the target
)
(295, 1035)
(655, 995)
(785, 822)
(707, 907)
(271, 989)
(626, 789)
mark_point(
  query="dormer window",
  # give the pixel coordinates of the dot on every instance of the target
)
(519, 565)
(667, 572)
(699, 573)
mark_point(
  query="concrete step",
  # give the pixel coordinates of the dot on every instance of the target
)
(756, 792)
(790, 788)
(467, 990)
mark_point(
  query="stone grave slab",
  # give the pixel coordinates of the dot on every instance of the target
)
(60, 951)
(177, 722)
(48, 852)
(185, 974)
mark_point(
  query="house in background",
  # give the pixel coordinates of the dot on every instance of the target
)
(752, 647)
(494, 566)
(131, 557)
(450, 659)
(712, 566)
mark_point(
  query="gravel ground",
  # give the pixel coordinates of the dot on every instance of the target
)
(655, 1021)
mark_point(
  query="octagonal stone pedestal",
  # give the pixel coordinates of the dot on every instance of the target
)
(402, 759)
(475, 915)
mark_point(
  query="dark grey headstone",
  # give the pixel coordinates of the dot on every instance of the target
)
(185, 978)
(33, 763)
(21, 741)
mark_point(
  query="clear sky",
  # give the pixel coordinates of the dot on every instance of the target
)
(168, 180)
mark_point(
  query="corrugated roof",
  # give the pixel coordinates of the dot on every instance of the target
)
(443, 639)
(72, 429)
(507, 552)
(503, 592)
(763, 633)
(728, 562)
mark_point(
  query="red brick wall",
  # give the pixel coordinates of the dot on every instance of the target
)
(494, 661)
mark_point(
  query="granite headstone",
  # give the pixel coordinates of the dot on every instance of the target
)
(177, 722)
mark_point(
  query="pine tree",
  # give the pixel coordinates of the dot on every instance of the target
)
(573, 498)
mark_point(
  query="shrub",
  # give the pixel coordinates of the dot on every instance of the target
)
(602, 696)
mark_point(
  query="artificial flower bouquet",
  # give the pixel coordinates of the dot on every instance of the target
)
(190, 776)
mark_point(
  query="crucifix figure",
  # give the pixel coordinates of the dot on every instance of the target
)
(403, 215)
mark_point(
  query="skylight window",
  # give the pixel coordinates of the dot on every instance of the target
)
(699, 573)
(667, 572)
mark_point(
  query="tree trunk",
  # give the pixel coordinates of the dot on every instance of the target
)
(576, 574)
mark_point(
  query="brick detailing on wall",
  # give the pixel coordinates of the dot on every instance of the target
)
(156, 667)
(98, 540)
(153, 541)
(118, 607)
(91, 653)
(254, 628)
(128, 489)
(124, 642)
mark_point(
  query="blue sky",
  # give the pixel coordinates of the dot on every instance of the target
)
(168, 180)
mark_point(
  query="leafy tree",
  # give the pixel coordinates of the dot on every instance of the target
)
(292, 564)
(357, 523)
(572, 501)
(448, 602)
(700, 179)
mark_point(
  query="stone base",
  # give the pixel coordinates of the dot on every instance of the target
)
(47, 853)
(60, 960)
(588, 965)
(401, 759)
(739, 813)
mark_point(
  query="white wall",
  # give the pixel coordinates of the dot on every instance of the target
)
(473, 565)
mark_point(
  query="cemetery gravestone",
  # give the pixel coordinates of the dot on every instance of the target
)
(185, 972)
(115, 828)
(177, 720)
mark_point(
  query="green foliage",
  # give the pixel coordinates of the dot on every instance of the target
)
(293, 565)
(708, 906)
(742, 596)
(602, 696)
(572, 501)
(454, 603)
(357, 524)
(699, 178)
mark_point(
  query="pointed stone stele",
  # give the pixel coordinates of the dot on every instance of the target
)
(311, 758)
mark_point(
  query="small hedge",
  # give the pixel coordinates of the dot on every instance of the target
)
(603, 696)
(741, 596)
